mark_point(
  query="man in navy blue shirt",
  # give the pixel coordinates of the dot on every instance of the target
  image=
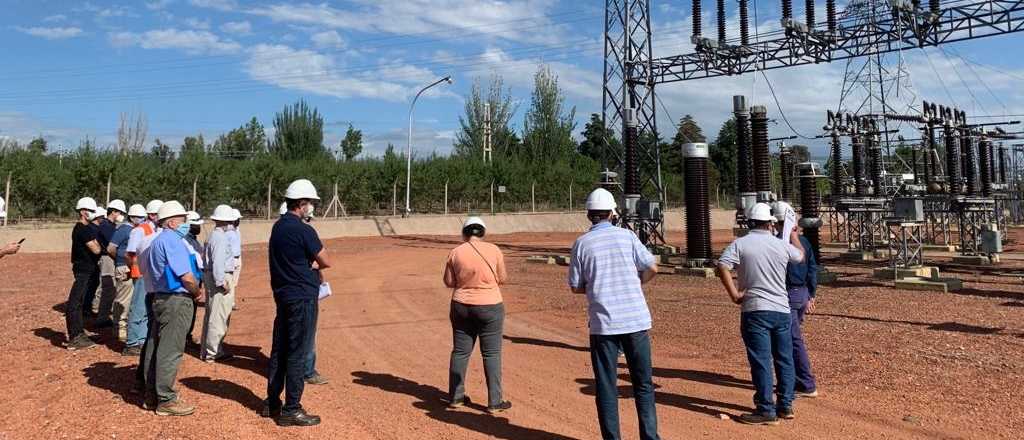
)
(801, 283)
(294, 246)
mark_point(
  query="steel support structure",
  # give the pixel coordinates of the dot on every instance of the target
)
(938, 220)
(905, 243)
(973, 214)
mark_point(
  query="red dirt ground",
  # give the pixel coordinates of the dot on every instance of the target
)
(891, 364)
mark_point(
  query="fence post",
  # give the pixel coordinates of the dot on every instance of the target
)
(194, 183)
(445, 197)
(570, 196)
(108, 189)
(533, 197)
(492, 197)
(394, 199)
(336, 200)
(7, 198)
(270, 188)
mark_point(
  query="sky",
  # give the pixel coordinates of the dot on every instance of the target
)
(71, 68)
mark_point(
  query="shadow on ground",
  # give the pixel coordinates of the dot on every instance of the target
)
(544, 343)
(111, 377)
(431, 400)
(224, 389)
(694, 404)
(941, 326)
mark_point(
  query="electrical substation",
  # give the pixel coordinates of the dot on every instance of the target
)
(956, 191)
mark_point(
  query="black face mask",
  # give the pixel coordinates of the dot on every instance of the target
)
(614, 220)
(195, 230)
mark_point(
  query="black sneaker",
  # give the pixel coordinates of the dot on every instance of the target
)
(298, 418)
(452, 404)
(758, 419)
(786, 413)
(135, 350)
(269, 410)
(81, 342)
(106, 323)
(501, 407)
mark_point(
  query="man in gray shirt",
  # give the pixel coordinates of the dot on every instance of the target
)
(760, 260)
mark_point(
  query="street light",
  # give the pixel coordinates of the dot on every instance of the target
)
(408, 155)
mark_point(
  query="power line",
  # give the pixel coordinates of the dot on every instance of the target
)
(781, 112)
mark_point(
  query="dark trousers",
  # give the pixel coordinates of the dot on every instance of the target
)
(769, 350)
(107, 293)
(294, 328)
(166, 342)
(604, 355)
(468, 324)
(798, 298)
(85, 281)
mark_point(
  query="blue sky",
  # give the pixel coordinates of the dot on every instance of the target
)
(206, 66)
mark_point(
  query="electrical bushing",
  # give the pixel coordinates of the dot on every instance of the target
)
(698, 212)
(760, 152)
(810, 205)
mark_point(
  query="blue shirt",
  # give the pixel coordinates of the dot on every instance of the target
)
(293, 247)
(169, 260)
(120, 239)
(803, 274)
(104, 232)
(235, 240)
(607, 261)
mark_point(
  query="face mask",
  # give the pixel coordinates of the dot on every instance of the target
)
(182, 229)
(136, 220)
(229, 228)
(307, 210)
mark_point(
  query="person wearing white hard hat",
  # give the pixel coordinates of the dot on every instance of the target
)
(175, 281)
(801, 286)
(760, 259)
(85, 252)
(104, 299)
(474, 271)
(91, 302)
(610, 266)
(294, 247)
(123, 284)
(220, 286)
(235, 239)
(136, 253)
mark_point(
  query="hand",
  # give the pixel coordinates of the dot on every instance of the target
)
(737, 299)
(10, 249)
(810, 305)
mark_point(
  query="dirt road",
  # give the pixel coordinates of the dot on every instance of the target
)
(891, 364)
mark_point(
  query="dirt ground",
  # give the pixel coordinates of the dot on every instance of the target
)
(890, 363)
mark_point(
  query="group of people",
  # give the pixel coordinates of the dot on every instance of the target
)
(776, 275)
(158, 269)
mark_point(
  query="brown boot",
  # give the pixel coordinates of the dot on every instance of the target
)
(176, 407)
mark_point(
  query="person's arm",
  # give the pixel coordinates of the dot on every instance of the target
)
(644, 261)
(10, 249)
(794, 248)
(94, 246)
(725, 274)
(190, 284)
(576, 282)
(812, 269)
(449, 274)
(322, 260)
(219, 250)
(502, 274)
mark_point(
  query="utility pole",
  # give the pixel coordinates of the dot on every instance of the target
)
(487, 133)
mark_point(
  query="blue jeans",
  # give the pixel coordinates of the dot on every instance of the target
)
(769, 343)
(294, 327)
(138, 317)
(798, 298)
(311, 357)
(604, 355)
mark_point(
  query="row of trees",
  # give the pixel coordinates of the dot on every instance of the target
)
(543, 162)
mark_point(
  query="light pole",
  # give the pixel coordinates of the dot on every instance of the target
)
(408, 153)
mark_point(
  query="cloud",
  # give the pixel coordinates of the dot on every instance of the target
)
(158, 4)
(197, 23)
(237, 27)
(575, 81)
(221, 5)
(51, 33)
(514, 20)
(55, 18)
(190, 41)
(327, 39)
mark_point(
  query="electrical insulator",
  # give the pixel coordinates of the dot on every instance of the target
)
(810, 205)
(698, 212)
(809, 11)
(721, 22)
(632, 165)
(985, 166)
(970, 163)
(860, 185)
(1002, 164)
(744, 171)
(696, 20)
(745, 23)
(786, 174)
(787, 9)
(760, 152)
(837, 165)
(830, 11)
(952, 155)
(934, 7)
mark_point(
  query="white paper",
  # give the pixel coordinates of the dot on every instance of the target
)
(325, 290)
(788, 224)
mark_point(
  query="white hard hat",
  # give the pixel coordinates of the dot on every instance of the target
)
(99, 212)
(301, 189)
(171, 209)
(781, 208)
(283, 209)
(137, 210)
(3, 207)
(238, 214)
(474, 221)
(153, 207)
(194, 218)
(761, 212)
(223, 213)
(601, 200)
(117, 204)
(86, 203)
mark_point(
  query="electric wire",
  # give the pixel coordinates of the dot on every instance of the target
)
(781, 112)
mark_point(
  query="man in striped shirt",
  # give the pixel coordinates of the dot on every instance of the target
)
(609, 265)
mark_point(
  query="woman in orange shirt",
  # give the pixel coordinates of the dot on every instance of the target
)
(474, 271)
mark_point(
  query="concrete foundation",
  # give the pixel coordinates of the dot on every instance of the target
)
(538, 259)
(858, 256)
(944, 285)
(888, 273)
(699, 272)
(939, 248)
(976, 260)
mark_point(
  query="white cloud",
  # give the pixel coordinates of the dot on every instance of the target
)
(158, 4)
(222, 5)
(190, 41)
(327, 39)
(575, 81)
(51, 33)
(197, 23)
(237, 27)
(55, 18)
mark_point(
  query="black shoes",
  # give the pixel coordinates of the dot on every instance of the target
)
(758, 419)
(269, 410)
(81, 342)
(786, 413)
(501, 407)
(106, 323)
(298, 418)
(132, 351)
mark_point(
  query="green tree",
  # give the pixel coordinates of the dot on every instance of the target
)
(298, 132)
(672, 155)
(193, 145)
(352, 144)
(723, 156)
(800, 153)
(595, 134)
(38, 145)
(243, 142)
(162, 151)
(497, 101)
(548, 126)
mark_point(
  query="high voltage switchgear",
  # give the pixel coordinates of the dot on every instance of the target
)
(698, 210)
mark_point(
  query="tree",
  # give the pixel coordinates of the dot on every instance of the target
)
(497, 101)
(162, 151)
(688, 132)
(243, 142)
(595, 134)
(723, 155)
(131, 136)
(193, 145)
(800, 153)
(548, 127)
(38, 145)
(352, 144)
(298, 132)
